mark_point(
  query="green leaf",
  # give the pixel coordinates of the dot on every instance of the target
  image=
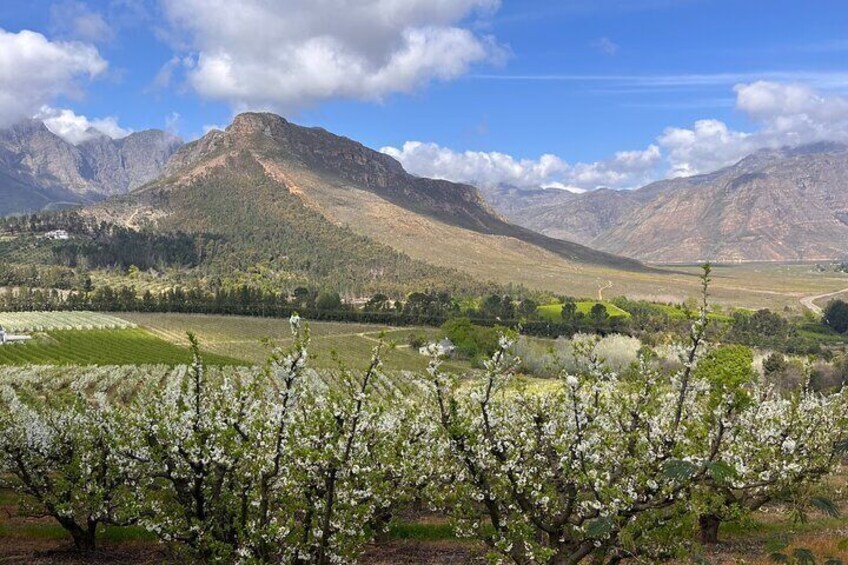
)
(679, 470)
(833, 561)
(842, 545)
(825, 505)
(778, 557)
(721, 471)
(600, 527)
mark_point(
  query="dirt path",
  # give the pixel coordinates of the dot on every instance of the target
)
(602, 289)
(810, 301)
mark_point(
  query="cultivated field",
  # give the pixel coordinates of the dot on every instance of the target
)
(414, 538)
(88, 338)
(123, 346)
(242, 337)
(47, 321)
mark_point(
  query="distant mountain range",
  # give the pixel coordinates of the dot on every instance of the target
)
(296, 201)
(40, 170)
(775, 205)
(786, 204)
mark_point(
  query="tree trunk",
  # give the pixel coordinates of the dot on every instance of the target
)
(84, 539)
(709, 524)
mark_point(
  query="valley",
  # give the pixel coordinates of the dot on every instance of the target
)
(281, 301)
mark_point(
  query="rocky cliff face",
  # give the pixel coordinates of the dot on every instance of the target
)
(39, 169)
(313, 157)
(775, 205)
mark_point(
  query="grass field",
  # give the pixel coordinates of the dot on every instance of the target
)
(242, 337)
(126, 346)
(46, 321)
(554, 311)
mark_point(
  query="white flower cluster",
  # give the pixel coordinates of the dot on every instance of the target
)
(582, 469)
(266, 466)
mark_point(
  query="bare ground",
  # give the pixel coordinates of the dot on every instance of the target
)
(22, 542)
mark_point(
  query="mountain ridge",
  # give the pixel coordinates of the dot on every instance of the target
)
(41, 170)
(311, 195)
(785, 204)
(273, 138)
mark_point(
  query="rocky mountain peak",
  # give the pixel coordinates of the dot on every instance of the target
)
(39, 168)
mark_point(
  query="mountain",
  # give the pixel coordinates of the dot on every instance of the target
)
(303, 202)
(775, 205)
(40, 170)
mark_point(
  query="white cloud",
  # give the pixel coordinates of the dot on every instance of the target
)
(606, 46)
(565, 187)
(783, 115)
(707, 146)
(34, 71)
(75, 19)
(625, 170)
(289, 53)
(172, 123)
(166, 72)
(76, 128)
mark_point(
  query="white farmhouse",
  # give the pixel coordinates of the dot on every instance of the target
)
(57, 234)
(443, 348)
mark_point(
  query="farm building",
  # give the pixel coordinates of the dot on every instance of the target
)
(57, 234)
(6, 337)
(443, 348)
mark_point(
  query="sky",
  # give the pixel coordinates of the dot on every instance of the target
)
(571, 94)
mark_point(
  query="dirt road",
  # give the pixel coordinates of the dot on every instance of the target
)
(810, 301)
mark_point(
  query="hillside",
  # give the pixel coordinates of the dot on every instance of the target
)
(775, 205)
(40, 170)
(306, 203)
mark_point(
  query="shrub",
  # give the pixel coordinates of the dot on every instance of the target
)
(836, 316)
(267, 468)
(469, 339)
(65, 461)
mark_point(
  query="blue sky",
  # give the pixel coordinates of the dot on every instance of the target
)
(485, 87)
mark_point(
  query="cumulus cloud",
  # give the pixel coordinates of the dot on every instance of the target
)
(289, 53)
(706, 146)
(624, 170)
(76, 128)
(34, 71)
(783, 115)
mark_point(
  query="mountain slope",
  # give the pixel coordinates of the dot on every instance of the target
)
(39, 169)
(775, 205)
(314, 204)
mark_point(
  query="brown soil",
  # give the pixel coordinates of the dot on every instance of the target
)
(19, 551)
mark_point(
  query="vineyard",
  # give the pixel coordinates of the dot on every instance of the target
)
(126, 346)
(49, 321)
(242, 338)
(92, 338)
